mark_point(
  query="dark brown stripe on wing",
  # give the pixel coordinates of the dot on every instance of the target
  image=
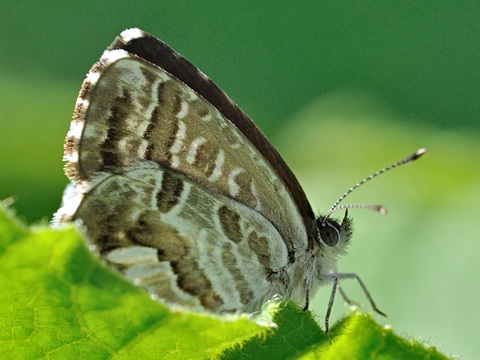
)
(205, 159)
(192, 280)
(147, 134)
(259, 246)
(245, 182)
(230, 222)
(169, 194)
(207, 153)
(200, 152)
(230, 262)
(169, 97)
(117, 129)
(163, 126)
(179, 251)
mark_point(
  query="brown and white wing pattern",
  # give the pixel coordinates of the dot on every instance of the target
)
(186, 245)
(179, 198)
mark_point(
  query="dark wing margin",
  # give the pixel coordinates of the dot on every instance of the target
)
(148, 47)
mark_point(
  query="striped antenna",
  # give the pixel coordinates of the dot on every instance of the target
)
(380, 208)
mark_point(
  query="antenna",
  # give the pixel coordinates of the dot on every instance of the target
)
(381, 209)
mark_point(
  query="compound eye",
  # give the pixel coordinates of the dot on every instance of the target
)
(329, 235)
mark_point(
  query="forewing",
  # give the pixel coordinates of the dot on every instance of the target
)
(130, 111)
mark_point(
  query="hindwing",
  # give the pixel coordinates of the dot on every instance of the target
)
(181, 243)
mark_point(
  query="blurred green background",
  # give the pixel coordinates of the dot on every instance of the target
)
(341, 88)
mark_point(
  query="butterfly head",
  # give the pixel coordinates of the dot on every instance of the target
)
(333, 236)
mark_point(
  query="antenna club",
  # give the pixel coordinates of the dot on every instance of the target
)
(382, 210)
(418, 154)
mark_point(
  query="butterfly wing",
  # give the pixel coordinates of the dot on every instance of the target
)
(136, 125)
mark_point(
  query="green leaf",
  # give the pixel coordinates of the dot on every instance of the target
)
(58, 301)
(356, 336)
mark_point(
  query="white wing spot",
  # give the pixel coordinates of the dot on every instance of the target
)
(92, 77)
(217, 172)
(76, 129)
(207, 118)
(179, 138)
(192, 151)
(153, 99)
(232, 184)
(109, 57)
(131, 34)
(183, 110)
(178, 144)
(253, 190)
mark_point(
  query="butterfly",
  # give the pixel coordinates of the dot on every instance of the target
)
(179, 191)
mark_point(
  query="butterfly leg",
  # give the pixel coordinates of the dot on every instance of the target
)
(363, 286)
(346, 298)
(308, 283)
(330, 303)
(339, 276)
